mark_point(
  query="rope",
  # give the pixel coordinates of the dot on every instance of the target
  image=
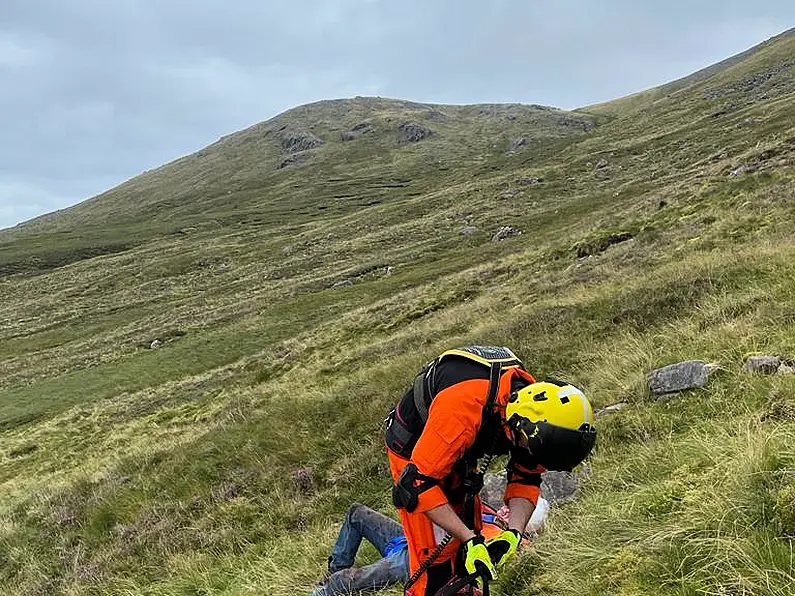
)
(481, 469)
(428, 562)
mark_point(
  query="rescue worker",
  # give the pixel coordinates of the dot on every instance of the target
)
(472, 404)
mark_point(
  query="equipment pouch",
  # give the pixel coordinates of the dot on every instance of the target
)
(410, 485)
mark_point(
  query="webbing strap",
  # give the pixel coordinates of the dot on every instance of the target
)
(399, 438)
(419, 396)
(494, 386)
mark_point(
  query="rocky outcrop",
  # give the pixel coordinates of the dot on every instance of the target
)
(356, 131)
(293, 160)
(749, 84)
(410, 132)
(594, 246)
(294, 141)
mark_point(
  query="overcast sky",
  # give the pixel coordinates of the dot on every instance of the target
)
(93, 92)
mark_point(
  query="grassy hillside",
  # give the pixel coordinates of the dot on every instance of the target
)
(132, 469)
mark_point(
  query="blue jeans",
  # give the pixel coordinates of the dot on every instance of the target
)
(362, 522)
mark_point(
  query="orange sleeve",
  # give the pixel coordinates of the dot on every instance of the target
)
(454, 419)
(523, 482)
(522, 491)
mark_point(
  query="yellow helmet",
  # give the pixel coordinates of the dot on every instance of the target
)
(554, 421)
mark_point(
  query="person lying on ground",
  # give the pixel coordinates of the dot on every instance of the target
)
(386, 535)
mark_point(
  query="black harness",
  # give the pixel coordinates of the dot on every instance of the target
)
(400, 438)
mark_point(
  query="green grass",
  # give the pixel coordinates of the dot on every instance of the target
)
(129, 470)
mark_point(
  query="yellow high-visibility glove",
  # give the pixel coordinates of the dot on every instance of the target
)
(477, 558)
(504, 546)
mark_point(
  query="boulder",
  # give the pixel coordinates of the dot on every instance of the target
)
(678, 377)
(561, 487)
(505, 232)
(517, 144)
(493, 488)
(556, 487)
(765, 365)
(362, 127)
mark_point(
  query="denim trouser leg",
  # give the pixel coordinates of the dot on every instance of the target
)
(361, 522)
(381, 574)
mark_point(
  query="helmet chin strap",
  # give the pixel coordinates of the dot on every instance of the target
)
(517, 433)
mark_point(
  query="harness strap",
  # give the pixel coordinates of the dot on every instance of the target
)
(419, 395)
(398, 438)
(494, 386)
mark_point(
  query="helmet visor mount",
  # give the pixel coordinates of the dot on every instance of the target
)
(553, 447)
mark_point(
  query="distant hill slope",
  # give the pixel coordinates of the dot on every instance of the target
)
(749, 68)
(334, 155)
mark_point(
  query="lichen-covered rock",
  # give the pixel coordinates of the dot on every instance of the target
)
(561, 487)
(556, 487)
(678, 377)
(766, 365)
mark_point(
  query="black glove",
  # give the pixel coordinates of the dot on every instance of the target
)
(504, 546)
